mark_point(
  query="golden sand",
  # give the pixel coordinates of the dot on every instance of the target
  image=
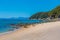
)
(44, 31)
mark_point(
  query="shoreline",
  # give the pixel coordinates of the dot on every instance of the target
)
(36, 32)
(22, 28)
(8, 32)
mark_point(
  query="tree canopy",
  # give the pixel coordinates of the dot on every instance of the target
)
(54, 13)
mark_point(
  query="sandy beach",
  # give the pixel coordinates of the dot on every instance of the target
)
(44, 31)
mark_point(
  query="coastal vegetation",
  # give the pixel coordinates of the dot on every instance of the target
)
(52, 14)
(39, 15)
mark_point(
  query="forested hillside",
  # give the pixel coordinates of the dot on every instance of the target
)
(54, 13)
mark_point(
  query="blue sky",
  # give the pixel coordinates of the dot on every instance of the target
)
(25, 8)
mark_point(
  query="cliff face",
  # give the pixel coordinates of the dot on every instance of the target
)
(55, 13)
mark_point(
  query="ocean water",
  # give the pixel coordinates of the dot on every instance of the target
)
(5, 24)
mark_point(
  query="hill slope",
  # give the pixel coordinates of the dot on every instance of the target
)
(55, 13)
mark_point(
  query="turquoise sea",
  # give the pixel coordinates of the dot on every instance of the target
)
(5, 24)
